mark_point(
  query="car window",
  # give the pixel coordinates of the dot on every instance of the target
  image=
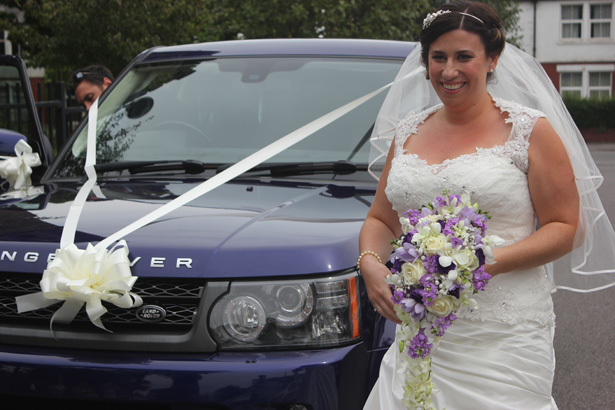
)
(219, 111)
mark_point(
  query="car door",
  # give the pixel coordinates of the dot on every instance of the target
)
(18, 116)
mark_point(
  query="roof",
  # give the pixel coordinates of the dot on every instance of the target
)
(272, 47)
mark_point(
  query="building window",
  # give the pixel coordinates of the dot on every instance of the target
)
(600, 85)
(572, 21)
(571, 84)
(586, 80)
(600, 20)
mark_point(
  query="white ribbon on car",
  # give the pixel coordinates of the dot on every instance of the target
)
(90, 276)
(17, 170)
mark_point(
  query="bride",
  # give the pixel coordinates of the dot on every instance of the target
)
(523, 168)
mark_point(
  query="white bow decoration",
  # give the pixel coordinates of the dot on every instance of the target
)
(17, 170)
(89, 277)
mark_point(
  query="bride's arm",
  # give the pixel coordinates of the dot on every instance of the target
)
(381, 226)
(556, 203)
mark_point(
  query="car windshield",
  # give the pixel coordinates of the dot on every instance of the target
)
(219, 111)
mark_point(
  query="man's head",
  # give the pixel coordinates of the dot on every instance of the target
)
(89, 83)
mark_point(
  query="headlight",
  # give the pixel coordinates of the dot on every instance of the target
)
(283, 314)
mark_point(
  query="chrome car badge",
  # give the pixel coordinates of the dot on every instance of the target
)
(151, 313)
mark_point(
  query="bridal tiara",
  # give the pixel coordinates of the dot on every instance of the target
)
(432, 16)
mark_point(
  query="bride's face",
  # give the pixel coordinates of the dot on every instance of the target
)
(458, 67)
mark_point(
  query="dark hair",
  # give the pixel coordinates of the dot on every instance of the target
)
(95, 74)
(485, 22)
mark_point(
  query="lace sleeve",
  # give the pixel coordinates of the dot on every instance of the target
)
(409, 126)
(523, 120)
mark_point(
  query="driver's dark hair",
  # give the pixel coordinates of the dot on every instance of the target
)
(94, 74)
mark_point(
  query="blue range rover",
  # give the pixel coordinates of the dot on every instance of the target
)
(251, 296)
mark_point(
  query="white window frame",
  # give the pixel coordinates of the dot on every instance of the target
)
(608, 21)
(571, 21)
(586, 21)
(585, 69)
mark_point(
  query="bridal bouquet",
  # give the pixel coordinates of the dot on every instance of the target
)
(438, 263)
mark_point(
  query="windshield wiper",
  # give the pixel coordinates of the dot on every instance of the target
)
(302, 168)
(140, 167)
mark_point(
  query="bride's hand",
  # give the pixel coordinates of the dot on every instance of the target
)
(374, 274)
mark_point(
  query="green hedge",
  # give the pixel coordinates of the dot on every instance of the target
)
(588, 113)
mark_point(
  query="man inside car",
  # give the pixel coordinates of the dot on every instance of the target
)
(89, 83)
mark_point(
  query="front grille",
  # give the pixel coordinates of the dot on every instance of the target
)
(178, 297)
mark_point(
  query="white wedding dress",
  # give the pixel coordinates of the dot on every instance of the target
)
(499, 356)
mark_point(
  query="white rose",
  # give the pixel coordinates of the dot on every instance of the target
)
(443, 306)
(435, 244)
(413, 272)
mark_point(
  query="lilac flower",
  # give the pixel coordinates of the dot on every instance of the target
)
(449, 229)
(413, 216)
(431, 264)
(455, 241)
(441, 202)
(442, 324)
(398, 296)
(429, 290)
(420, 346)
(480, 278)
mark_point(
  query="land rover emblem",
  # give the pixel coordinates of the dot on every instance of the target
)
(151, 313)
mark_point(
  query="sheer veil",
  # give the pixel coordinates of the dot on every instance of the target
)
(519, 77)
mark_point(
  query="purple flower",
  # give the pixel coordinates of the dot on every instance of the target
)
(396, 265)
(414, 307)
(455, 290)
(431, 264)
(480, 278)
(413, 216)
(455, 241)
(407, 252)
(420, 346)
(440, 202)
(444, 270)
(480, 254)
(442, 324)
(426, 212)
(398, 296)
(449, 229)
(443, 225)
(428, 290)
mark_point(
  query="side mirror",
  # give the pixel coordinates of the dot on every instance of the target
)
(8, 139)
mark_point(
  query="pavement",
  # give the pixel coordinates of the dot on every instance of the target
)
(601, 146)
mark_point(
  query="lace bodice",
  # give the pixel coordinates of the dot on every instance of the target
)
(496, 178)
